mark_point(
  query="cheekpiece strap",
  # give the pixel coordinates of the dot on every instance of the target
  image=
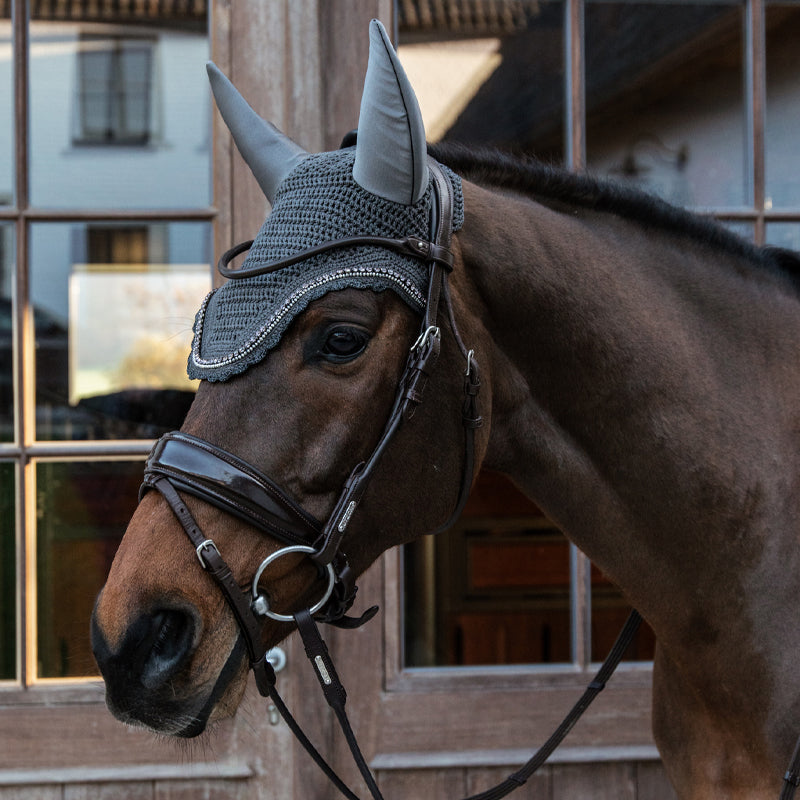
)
(421, 360)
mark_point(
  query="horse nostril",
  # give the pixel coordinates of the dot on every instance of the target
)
(166, 646)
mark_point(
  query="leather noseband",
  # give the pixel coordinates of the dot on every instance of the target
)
(199, 468)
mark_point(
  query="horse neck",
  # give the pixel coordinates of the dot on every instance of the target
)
(633, 397)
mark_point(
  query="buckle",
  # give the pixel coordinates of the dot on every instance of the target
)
(428, 335)
(208, 544)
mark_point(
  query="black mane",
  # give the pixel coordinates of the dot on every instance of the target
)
(530, 176)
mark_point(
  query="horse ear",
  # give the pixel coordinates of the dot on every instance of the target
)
(391, 156)
(270, 154)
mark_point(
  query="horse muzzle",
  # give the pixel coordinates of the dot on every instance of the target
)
(150, 676)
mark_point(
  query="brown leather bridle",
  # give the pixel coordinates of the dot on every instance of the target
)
(183, 463)
(180, 462)
(203, 470)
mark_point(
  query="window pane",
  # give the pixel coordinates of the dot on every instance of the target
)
(743, 229)
(664, 99)
(113, 309)
(6, 333)
(6, 109)
(94, 111)
(83, 509)
(494, 590)
(113, 97)
(489, 77)
(135, 68)
(784, 235)
(127, 105)
(8, 573)
(783, 105)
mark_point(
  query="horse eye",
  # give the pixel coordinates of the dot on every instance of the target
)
(344, 344)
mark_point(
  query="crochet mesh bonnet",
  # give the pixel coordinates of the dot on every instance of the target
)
(380, 187)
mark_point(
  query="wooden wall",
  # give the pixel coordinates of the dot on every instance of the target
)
(300, 64)
(626, 780)
(561, 781)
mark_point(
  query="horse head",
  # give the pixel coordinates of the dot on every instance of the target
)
(303, 356)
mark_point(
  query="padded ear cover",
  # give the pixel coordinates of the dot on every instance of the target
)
(391, 157)
(270, 154)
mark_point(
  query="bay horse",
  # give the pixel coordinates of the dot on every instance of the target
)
(639, 381)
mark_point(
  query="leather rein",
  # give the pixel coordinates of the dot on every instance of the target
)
(183, 463)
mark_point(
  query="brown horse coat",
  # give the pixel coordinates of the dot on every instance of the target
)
(640, 384)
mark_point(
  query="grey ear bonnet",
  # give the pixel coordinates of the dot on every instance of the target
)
(391, 156)
(381, 187)
(319, 201)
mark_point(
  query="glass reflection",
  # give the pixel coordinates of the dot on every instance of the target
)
(83, 510)
(8, 569)
(123, 101)
(664, 99)
(114, 306)
(495, 589)
(6, 108)
(784, 235)
(492, 79)
(783, 106)
(6, 333)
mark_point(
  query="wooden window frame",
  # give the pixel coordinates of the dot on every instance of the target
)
(756, 213)
(26, 450)
(398, 683)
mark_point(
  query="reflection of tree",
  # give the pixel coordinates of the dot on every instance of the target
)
(154, 363)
